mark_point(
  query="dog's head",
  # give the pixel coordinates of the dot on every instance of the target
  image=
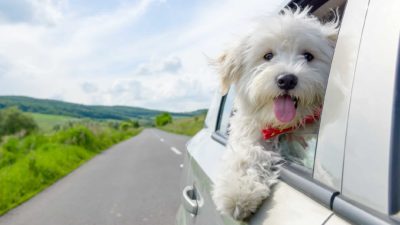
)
(280, 70)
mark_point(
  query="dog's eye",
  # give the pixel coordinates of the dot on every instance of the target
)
(308, 56)
(268, 56)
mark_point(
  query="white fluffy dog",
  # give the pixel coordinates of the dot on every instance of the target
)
(280, 72)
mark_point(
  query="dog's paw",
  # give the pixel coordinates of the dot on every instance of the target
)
(242, 204)
(239, 198)
(240, 213)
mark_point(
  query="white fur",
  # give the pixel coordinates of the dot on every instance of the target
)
(250, 166)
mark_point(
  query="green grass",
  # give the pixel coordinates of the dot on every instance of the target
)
(186, 126)
(36, 171)
(30, 164)
(47, 122)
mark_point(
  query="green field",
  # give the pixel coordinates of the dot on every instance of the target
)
(30, 162)
(186, 126)
(48, 122)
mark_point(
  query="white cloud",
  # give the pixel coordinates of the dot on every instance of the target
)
(48, 11)
(184, 93)
(92, 60)
(128, 90)
(169, 65)
(89, 87)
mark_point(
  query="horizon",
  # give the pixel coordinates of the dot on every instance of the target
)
(139, 107)
(142, 53)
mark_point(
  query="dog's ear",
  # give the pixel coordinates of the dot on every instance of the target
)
(331, 28)
(229, 66)
(332, 34)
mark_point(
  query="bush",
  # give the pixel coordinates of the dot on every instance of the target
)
(32, 142)
(134, 123)
(113, 124)
(78, 136)
(187, 126)
(13, 121)
(163, 119)
(7, 158)
(129, 124)
(124, 126)
(11, 144)
(57, 127)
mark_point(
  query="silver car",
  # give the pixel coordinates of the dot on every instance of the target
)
(352, 172)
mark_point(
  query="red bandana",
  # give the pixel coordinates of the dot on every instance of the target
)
(270, 132)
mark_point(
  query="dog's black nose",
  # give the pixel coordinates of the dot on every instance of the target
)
(286, 81)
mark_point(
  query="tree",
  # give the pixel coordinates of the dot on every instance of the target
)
(12, 121)
(134, 123)
(163, 119)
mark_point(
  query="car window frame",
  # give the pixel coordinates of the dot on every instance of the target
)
(216, 134)
(221, 113)
(291, 173)
(222, 137)
(394, 166)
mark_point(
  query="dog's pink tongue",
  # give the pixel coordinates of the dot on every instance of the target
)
(284, 108)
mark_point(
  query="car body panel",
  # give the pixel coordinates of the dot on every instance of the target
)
(206, 152)
(335, 220)
(202, 150)
(183, 217)
(284, 201)
(332, 136)
(366, 170)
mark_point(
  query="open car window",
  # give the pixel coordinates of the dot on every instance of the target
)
(299, 149)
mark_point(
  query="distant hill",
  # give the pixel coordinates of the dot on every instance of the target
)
(54, 107)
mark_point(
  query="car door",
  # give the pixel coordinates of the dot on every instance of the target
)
(369, 175)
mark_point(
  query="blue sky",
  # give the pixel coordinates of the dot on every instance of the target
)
(147, 53)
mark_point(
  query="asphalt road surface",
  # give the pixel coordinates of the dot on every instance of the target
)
(135, 182)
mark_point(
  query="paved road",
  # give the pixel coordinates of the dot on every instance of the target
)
(135, 182)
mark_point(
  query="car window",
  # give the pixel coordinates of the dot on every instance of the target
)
(298, 149)
(226, 111)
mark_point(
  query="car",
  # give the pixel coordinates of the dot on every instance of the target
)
(351, 174)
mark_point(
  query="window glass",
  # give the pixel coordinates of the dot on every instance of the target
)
(226, 113)
(299, 148)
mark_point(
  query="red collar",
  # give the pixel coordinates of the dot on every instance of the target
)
(270, 132)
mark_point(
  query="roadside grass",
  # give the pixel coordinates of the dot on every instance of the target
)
(30, 164)
(47, 122)
(186, 126)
